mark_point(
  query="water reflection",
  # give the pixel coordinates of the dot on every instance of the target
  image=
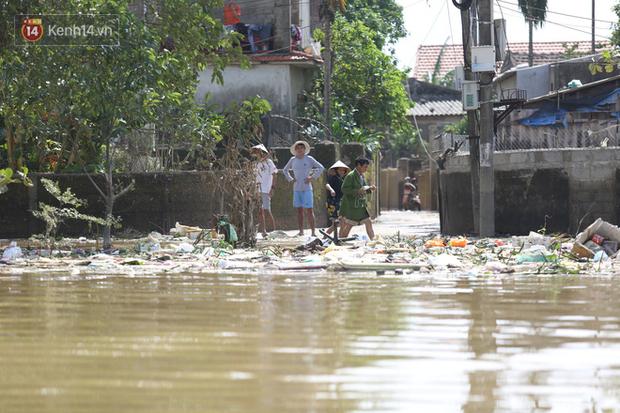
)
(312, 343)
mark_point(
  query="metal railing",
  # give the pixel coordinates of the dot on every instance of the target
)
(526, 138)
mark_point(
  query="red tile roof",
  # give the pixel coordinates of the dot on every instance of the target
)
(544, 52)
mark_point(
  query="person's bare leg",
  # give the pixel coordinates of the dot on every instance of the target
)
(310, 217)
(300, 220)
(369, 230)
(345, 228)
(273, 221)
(261, 220)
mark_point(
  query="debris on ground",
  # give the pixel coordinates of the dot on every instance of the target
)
(601, 236)
(189, 249)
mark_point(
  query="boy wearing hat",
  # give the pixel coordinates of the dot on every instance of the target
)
(305, 168)
(265, 170)
(354, 208)
(335, 176)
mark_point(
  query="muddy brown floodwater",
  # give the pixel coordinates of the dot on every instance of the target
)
(309, 343)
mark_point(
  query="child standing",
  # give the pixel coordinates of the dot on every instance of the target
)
(305, 168)
(265, 170)
(335, 176)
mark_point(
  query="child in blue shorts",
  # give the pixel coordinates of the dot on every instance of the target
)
(305, 168)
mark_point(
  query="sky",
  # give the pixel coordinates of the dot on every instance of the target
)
(431, 22)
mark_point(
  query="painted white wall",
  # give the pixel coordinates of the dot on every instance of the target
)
(269, 81)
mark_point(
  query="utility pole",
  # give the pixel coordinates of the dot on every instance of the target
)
(530, 46)
(487, 121)
(472, 135)
(593, 27)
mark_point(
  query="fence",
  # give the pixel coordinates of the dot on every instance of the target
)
(589, 135)
(586, 135)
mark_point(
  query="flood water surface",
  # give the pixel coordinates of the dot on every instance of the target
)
(309, 343)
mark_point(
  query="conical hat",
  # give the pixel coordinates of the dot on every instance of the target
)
(261, 148)
(340, 164)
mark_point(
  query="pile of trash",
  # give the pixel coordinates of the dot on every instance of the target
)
(188, 249)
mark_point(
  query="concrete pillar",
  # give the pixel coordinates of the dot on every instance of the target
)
(282, 28)
(281, 156)
(326, 152)
(403, 168)
(414, 165)
(349, 152)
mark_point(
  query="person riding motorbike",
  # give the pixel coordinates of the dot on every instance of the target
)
(411, 198)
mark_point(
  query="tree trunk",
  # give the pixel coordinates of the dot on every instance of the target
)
(10, 147)
(109, 199)
(327, 80)
(107, 229)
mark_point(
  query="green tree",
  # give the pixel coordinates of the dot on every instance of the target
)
(535, 13)
(87, 98)
(329, 8)
(383, 17)
(369, 99)
(615, 36)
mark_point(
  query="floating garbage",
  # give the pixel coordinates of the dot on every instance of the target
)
(12, 252)
(185, 231)
(445, 260)
(600, 236)
(433, 243)
(184, 248)
(459, 242)
(594, 250)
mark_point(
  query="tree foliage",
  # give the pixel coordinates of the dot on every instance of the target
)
(383, 17)
(61, 105)
(68, 204)
(369, 96)
(535, 10)
(615, 36)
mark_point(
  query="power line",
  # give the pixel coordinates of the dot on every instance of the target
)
(414, 4)
(559, 13)
(429, 31)
(563, 25)
(503, 25)
(450, 23)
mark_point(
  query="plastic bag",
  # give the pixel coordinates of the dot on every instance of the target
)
(12, 252)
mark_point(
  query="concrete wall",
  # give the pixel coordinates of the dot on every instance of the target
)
(431, 126)
(156, 203)
(280, 84)
(390, 196)
(558, 187)
(269, 81)
(563, 72)
(534, 80)
(161, 199)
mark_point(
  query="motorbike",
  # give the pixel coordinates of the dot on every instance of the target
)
(414, 203)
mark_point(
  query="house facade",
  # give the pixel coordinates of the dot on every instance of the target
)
(282, 62)
(440, 60)
(435, 108)
(578, 117)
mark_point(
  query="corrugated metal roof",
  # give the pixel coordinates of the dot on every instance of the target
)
(438, 108)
